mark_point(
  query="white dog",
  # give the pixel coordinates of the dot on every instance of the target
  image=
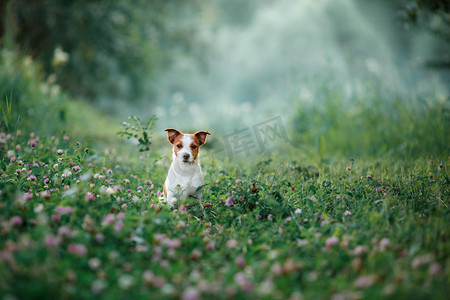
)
(185, 176)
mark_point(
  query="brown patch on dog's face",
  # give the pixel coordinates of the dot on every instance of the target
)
(187, 145)
(201, 136)
(172, 134)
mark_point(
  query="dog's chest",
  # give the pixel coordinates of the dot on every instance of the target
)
(188, 180)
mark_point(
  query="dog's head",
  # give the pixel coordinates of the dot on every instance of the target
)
(186, 146)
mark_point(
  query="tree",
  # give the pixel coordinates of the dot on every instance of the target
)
(101, 49)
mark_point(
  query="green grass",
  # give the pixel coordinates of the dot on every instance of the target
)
(80, 215)
(383, 235)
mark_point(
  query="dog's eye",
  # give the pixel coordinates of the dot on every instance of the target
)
(179, 146)
(193, 146)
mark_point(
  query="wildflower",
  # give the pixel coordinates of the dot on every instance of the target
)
(99, 237)
(196, 254)
(172, 244)
(324, 222)
(126, 281)
(231, 243)
(97, 286)
(89, 197)
(77, 249)
(384, 243)
(64, 210)
(270, 217)
(65, 231)
(365, 281)
(108, 220)
(31, 178)
(110, 191)
(421, 260)
(16, 220)
(207, 204)
(66, 138)
(76, 168)
(124, 206)
(229, 201)
(360, 250)
(210, 246)
(347, 213)
(88, 223)
(330, 242)
(240, 261)
(94, 263)
(27, 196)
(258, 217)
(55, 218)
(434, 269)
(33, 144)
(39, 208)
(190, 294)
(349, 169)
(238, 181)
(243, 282)
(59, 151)
(118, 226)
(52, 241)
(298, 211)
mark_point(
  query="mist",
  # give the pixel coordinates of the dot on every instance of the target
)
(273, 57)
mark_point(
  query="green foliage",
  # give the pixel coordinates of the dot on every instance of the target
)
(100, 49)
(372, 122)
(135, 129)
(32, 102)
(80, 223)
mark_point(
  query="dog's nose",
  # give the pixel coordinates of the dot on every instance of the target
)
(186, 156)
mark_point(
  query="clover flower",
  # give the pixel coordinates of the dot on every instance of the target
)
(190, 294)
(16, 220)
(331, 241)
(229, 201)
(77, 249)
(64, 210)
(231, 243)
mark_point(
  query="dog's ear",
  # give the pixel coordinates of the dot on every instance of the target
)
(201, 135)
(172, 134)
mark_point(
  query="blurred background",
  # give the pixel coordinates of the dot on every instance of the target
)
(345, 77)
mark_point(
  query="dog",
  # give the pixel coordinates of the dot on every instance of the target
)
(185, 176)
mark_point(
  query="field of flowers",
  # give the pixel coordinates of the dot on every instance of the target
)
(81, 223)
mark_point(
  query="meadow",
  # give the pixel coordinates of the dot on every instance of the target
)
(354, 206)
(81, 222)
